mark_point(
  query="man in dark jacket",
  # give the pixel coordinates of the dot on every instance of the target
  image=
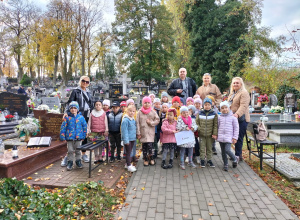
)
(183, 87)
(21, 90)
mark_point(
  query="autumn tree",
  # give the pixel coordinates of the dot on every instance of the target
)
(144, 33)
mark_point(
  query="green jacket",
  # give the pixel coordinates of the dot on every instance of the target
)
(207, 123)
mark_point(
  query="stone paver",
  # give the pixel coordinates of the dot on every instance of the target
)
(202, 193)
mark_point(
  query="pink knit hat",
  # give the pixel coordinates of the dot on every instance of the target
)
(196, 96)
(152, 95)
(147, 99)
(198, 100)
(129, 101)
(190, 99)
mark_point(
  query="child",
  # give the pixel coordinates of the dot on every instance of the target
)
(207, 122)
(186, 123)
(165, 98)
(157, 108)
(152, 97)
(123, 106)
(128, 128)
(228, 134)
(168, 138)
(176, 105)
(106, 109)
(146, 121)
(192, 110)
(214, 107)
(198, 105)
(114, 125)
(130, 102)
(196, 97)
(97, 128)
(73, 130)
(162, 115)
(189, 101)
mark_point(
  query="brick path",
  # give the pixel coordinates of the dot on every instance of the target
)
(202, 193)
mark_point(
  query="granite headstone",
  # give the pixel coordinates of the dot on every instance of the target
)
(50, 125)
(51, 101)
(14, 103)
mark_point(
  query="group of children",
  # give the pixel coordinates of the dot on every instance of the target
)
(156, 121)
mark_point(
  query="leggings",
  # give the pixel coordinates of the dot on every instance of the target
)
(190, 154)
(147, 150)
(128, 148)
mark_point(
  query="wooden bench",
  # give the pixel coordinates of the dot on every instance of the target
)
(259, 145)
(92, 146)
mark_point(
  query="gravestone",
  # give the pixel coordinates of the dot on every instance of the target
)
(14, 103)
(50, 125)
(51, 101)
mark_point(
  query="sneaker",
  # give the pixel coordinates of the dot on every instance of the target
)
(152, 162)
(118, 158)
(131, 168)
(70, 165)
(64, 162)
(170, 164)
(124, 156)
(192, 165)
(215, 153)
(79, 164)
(225, 169)
(112, 159)
(202, 163)
(182, 166)
(125, 166)
(235, 163)
(198, 159)
(187, 159)
(146, 163)
(210, 163)
(85, 158)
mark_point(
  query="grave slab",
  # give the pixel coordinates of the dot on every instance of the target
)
(289, 137)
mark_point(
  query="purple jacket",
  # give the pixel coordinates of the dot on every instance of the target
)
(228, 128)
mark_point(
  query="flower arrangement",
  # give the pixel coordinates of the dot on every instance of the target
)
(30, 103)
(28, 126)
(263, 99)
(43, 107)
(276, 109)
(224, 97)
(9, 116)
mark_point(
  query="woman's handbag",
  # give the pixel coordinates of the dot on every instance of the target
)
(262, 132)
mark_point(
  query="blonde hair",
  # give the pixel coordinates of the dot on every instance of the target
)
(131, 107)
(81, 78)
(242, 84)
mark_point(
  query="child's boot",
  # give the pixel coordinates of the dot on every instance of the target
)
(79, 164)
(152, 161)
(164, 165)
(70, 165)
(210, 163)
(146, 162)
(155, 154)
(170, 164)
(202, 163)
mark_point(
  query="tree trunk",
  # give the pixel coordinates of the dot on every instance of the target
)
(55, 69)
(20, 68)
(1, 72)
(65, 64)
(82, 59)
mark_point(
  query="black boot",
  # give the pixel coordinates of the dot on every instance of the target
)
(70, 165)
(155, 154)
(164, 165)
(170, 164)
(79, 164)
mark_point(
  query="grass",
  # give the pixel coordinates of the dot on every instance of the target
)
(281, 186)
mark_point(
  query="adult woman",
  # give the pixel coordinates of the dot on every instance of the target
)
(239, 99)
(82, 95)
(209, 89)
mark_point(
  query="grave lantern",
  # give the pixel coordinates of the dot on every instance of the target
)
(15, 152)
(289, 102)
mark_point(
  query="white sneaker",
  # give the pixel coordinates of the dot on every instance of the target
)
(198, 159)
(85, 158)
(131, 168)
(64, 162)
(125, 166)
(187, 159)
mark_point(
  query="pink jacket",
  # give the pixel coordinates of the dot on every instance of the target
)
(167, 129)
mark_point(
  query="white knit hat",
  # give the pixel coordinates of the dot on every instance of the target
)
(156, 100)
(106, 102)
(224, 103)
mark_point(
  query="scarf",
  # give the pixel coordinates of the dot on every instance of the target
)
(188, 122)
(96, 113)
(146, 111)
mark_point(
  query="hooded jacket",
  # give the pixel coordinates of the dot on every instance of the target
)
(73, 128)
(228, 128)
(207, 122)
(168, 135)
(128, 129)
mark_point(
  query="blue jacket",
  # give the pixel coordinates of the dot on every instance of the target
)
(114, 122)
(128, 130)
(73, 128)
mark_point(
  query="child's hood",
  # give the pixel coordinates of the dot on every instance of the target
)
(127, 116)
(72, 115)
(228, 114)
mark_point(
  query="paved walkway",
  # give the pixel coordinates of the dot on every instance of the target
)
(202, 193)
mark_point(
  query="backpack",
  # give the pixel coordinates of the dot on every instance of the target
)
(262, 132)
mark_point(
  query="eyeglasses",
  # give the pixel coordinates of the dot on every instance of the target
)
(83, 81)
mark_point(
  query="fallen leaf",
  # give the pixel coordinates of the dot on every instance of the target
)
(210, 214)
(191, 173)
(185, 176)
(134, 189)
(238, 179)
(29, 178)
(126, 204)
(111, 177)
(134, 196)
(210, 204)
(242, 213)
(236, 175)
(120, 218)
(247, 184)
(119, 185)
(122, 177)
(111, 170)
(185, 216)
(143, 188)
(99, 171)
(225, 180)
(36, 180)
(36, 173)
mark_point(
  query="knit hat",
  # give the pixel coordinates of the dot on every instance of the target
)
(74, 104)
(183, 109)
(156, 100)
(207, 100)
(196, 96)
(176, 99)
(190, 99)
(147, 99)
(211, 97)
(129, 101)
(224, 103)
(164, 94)
(123, 103)
(172, 110)
(166, 104)
(106, 102)
(192, 107)
(152, 95)
(198, 100)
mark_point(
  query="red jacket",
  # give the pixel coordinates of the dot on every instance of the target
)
(167, 129)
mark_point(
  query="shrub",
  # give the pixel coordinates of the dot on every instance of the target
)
(26, 80)
(283, 90)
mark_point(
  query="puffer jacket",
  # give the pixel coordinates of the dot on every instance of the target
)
(207, 123)
(146, 131)
(114, 122)
(228, 128)
(73, 128)
(167, 135)
(128, 129)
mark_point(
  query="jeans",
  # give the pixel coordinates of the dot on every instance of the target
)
(190, 154)
(165, 152)
(239, 144)
(226, 150)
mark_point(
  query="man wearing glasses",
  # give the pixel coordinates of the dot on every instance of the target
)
(183, 87)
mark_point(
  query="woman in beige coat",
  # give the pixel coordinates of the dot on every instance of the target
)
(239, 99)
(146, 120)
(209, 89)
